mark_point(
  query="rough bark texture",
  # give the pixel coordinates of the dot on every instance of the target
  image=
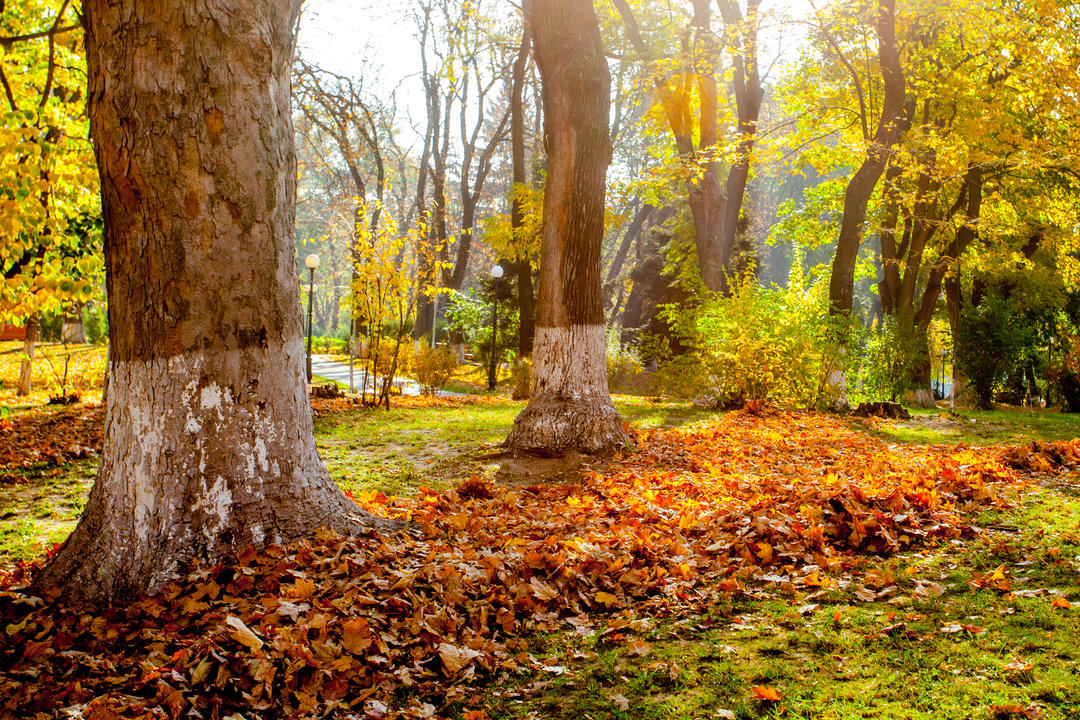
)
(894, 121)
(208, 441)
(570, 408)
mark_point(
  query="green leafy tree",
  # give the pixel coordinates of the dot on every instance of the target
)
(992, 336)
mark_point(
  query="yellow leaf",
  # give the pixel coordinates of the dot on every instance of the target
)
(605, 597)
(243, 634)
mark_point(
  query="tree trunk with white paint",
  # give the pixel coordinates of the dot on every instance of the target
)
(570, 408)
(208, 440)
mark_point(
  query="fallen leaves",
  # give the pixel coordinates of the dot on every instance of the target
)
(243, 634)
(36, 437)
(693, 517)
(763, 692)
(455, 659)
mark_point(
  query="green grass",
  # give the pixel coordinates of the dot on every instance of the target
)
(39, 507)
(834, 661)
(400, 450)
(980, 427)
(838, 661)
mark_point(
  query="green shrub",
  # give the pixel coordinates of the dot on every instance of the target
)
(623, 362)
(329, 345)
(764, 345)
(1065, 373)
(991, 338)
(893, 354)
(433, 367)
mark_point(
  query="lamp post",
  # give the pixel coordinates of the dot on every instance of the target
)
(496, 273)
(943, 353)
(312, 262)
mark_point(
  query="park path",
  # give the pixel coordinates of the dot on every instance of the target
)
(323, 366)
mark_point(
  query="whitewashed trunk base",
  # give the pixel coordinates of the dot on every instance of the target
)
(204, 454)
(925, 399)
(570, 409)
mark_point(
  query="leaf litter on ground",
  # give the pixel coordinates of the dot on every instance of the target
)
(380, 626)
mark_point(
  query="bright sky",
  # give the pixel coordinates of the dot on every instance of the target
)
(344, 35)
(338, 35)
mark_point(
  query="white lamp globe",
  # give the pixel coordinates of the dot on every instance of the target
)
(312, 261)
(497, 271)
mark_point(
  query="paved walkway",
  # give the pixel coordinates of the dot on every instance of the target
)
(323, 366)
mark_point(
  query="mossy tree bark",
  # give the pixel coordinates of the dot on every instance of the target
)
(208, 440)
(570, 408)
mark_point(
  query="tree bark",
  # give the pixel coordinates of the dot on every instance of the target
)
(526, 301)
(894, 121)
(26, 365)
(208, 440)
(570, 408)
(748, 95)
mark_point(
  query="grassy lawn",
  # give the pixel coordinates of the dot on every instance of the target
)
(39, 507)
(980, 427)
(984, 628)
(401, 450)
(937, 645)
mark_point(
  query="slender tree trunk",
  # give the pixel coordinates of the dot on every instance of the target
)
(889, 285)
(705, 196)
(526, 302)
(208, 439)
(748, 94)
(894, 121)
(570, 409)
(429, 250)
(26, 365)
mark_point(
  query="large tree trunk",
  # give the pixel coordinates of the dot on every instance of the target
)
(570, 409)
(894, 121)
(208, 440)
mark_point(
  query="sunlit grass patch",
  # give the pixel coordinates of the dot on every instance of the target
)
(85, 367)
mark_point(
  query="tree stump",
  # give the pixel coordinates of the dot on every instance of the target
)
(892, 410)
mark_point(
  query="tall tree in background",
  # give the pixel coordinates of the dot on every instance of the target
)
(48, 189)
(748, 95)
(522, 266)
(894, 121)
(693, 83)
(570, 408)
(687, 81)
(208, 440)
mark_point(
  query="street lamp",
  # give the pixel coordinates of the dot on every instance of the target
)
(496, 273)
(312, 262)
(943, 354)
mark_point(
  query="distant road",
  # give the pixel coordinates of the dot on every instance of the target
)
(323, 366)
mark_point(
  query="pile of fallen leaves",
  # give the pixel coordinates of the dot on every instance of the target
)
(1041, 456)
(49, 437)
(328, 406)
(342, 626)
